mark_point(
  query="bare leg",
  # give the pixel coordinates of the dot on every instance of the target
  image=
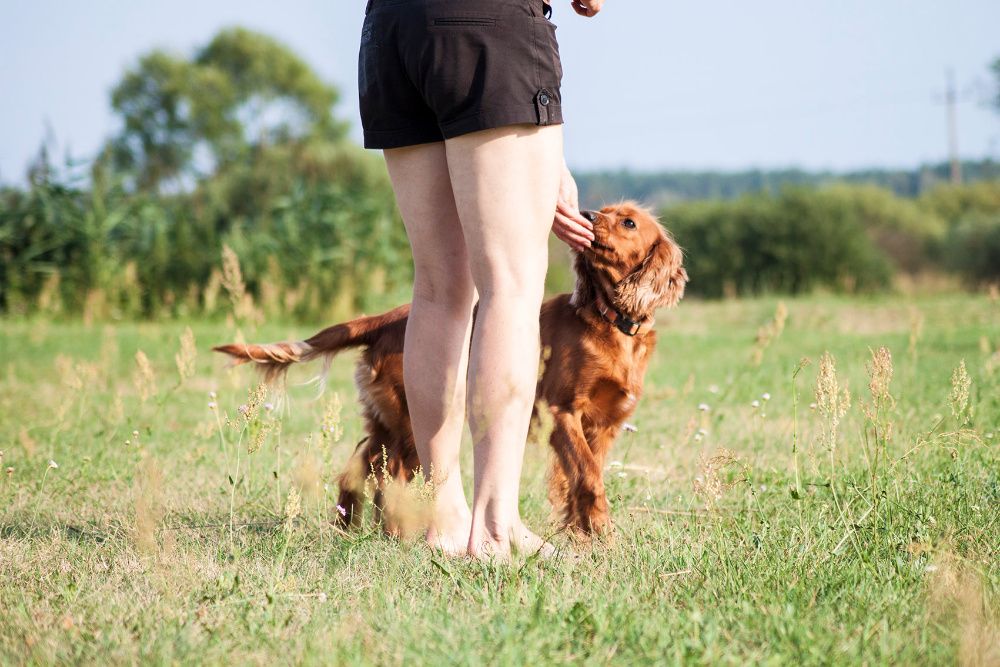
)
(505, 182)
(435, 351)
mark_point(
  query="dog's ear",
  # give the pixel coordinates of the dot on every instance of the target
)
(659, 281)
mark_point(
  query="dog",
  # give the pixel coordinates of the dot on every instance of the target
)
(596, 344)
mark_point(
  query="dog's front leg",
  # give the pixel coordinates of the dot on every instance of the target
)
(586, 503)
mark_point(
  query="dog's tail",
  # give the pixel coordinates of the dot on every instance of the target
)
(274, 359)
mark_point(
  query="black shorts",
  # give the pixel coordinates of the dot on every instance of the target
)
(430, 70)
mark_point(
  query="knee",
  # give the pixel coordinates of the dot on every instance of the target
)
(455, 293)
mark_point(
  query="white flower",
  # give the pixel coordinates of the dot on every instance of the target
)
(53, 464)
(812, 406)
(615, 464)
(713, 389)
(269, 406)
(342, 511)
(703, 431)
(766, 396)
(697, 437)
(931, 568)
(703, 407)
(135, 434)
(755, 404)
(211, 405)
(623, 474)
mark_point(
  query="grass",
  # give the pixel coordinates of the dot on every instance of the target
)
(748, 528)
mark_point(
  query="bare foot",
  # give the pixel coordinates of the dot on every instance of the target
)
(519, 540)
(449, 532)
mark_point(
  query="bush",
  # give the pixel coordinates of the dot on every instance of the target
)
(314, 226)
(796, 242)
(973, 249)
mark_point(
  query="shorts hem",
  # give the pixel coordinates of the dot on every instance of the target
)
(484, 120)
(494, 118)
(383, 139)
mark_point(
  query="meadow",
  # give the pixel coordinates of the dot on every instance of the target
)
(810, 481)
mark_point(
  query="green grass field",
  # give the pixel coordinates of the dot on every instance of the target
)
(137, 523)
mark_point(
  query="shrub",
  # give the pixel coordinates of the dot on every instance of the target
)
(973, 249)
(798, 241)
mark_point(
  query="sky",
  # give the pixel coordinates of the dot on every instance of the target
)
(648, 84)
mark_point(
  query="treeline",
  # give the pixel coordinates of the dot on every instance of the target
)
(667, 187)
(844, 237)
(231, 189)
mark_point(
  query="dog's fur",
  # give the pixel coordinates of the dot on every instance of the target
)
(591, 381)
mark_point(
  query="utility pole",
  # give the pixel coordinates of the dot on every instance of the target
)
(956, 165)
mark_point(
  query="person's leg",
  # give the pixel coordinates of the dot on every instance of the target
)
(505, 182)
(435, 351)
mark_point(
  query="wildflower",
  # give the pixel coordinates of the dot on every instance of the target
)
(713, 389)
(128, 443)
(960, 384)
(703, 407)
(631, 428)
(144, 379)
(185, 358)
(709, 486)
(293, 506)
(322, 596)
(615, 464)
(831, 400)
(766, 396)
(244, 410)
(703, 432)
(53, 465)
(754, 404)
(269, 406)
(697, 437)
(343, 512)
(10, 471)
(212, 395)
(880, 372)
(211, 405)
(623, 474)
(812, 406)
(135, 434)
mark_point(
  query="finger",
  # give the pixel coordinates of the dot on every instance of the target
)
(565, 229)
(576, 219)
(573, 226)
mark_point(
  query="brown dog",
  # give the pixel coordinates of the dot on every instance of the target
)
(598, 342)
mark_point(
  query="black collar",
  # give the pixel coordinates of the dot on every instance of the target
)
(626, 325)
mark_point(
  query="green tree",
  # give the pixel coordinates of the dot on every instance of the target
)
(241, 92)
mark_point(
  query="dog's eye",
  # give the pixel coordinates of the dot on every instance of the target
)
(629, 223)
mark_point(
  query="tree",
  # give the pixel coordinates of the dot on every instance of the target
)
(241, 91)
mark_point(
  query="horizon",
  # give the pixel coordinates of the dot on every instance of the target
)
(820, 89)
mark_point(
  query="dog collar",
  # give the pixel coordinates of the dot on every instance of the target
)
(626, 325)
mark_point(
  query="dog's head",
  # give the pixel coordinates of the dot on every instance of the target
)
(637, 263)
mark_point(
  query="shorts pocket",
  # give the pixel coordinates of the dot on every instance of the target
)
(464, 22)
(547, 53)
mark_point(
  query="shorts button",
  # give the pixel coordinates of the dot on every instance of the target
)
(543, 99)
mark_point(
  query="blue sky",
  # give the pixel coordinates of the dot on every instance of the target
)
(648, 84)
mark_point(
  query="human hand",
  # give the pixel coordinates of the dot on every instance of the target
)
(587, 8)
(569, 225)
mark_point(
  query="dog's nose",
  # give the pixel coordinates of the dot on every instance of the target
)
(589, 215)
